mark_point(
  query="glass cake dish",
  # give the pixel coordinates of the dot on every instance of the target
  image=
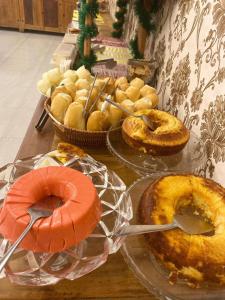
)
(150, 272)
(38, 269)
(190, 159)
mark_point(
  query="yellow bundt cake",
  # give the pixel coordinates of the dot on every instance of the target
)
(168, 136)
(196, 258)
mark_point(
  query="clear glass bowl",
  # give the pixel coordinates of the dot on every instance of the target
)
(191, 158)
(151, 274)
(28, 268)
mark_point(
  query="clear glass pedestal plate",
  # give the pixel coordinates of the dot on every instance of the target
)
(38, 269)
(189, 160)
(151, 274)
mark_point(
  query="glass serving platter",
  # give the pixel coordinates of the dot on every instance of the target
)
(37, 269)
(188, 160)
(151, 274)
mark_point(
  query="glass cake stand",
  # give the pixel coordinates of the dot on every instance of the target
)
(151, 274)
(28, 268)
(191, 158)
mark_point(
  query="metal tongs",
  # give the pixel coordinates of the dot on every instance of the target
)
(86, 107)
(144, 118)
(44, 116)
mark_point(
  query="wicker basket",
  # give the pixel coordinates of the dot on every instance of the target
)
(74, 136)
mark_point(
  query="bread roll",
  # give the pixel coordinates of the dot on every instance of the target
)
(71, 89)
(62, 89)
(59, 105)
(154, 98)
(120, 96)
(63, 96)
(115, 115)
(147, 89)
(81, 93)
(83, 73)
(121, 83)
(120, 80)
(54, 76)
(82, 100)
(137, 82)
(82, 84)
(71, 74)
(128, 104)
(99, 83)
(74, 116)
(45, 76)
(124, 86)
(43, 86)
(143, 103)
(98, 121)
(133, 93)
(110, 86)
(66, 81)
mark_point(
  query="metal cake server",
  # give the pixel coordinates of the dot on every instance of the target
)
(35, 214)
(187, 220)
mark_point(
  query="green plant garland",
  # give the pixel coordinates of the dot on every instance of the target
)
(146, 20)
(120, 16)
(134, 49)
(86, 32)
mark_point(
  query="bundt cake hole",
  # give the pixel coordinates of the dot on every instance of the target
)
(50, 202)
(154, 126)
(52, 198)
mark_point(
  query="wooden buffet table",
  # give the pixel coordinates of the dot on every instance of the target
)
(113, 280)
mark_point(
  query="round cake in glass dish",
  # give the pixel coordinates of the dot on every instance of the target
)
(168, 135)
(70, 223)
(198, 259)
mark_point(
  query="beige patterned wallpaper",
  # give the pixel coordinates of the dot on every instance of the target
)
(190, 50)
(189, 46)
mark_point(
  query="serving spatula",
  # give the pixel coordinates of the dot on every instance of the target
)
(187, 220)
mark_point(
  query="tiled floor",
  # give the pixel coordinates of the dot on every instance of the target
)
(23, 59)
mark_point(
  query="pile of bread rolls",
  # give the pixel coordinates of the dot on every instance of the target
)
(135, 95)
(71, 93)
(49, 79)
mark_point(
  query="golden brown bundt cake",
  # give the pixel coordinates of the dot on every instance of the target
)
(196, 258)
(168, 137)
